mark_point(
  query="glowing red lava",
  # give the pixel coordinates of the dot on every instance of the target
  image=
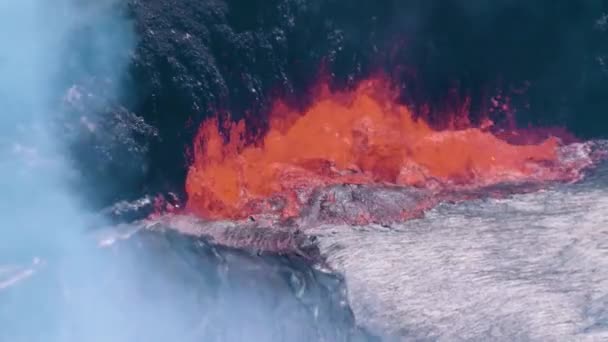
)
(358, 137)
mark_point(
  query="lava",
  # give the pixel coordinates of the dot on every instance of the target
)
(362, 136)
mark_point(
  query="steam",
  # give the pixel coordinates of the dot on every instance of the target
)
(43, 223)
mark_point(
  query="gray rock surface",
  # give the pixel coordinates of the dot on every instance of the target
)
(530, 267)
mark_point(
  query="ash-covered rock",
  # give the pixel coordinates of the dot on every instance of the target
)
(527, 267)
(255, 236)
(364, 204)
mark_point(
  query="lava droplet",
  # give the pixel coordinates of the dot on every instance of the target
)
(357, 137)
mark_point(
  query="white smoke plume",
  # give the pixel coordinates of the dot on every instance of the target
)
(43, 223)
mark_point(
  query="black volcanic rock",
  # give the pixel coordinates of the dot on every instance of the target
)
(196, 58)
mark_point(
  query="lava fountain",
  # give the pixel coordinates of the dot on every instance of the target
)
(361, 136)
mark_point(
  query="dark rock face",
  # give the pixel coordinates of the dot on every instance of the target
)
(196, 58)
(547, 57)
(161, 285)
(109, 143)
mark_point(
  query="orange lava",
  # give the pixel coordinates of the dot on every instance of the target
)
(358, 137)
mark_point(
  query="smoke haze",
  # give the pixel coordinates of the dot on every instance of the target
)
(43, 224)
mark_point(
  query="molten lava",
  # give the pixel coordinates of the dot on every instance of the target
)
(358, 137)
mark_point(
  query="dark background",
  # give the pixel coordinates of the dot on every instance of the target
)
(194, 58)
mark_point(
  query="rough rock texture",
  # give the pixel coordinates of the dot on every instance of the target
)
(525, 268)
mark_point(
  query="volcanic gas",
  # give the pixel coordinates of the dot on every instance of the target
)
(361, 136)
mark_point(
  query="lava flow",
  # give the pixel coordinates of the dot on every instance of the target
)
(358, 137)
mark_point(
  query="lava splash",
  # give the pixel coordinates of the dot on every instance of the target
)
(358, 137)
